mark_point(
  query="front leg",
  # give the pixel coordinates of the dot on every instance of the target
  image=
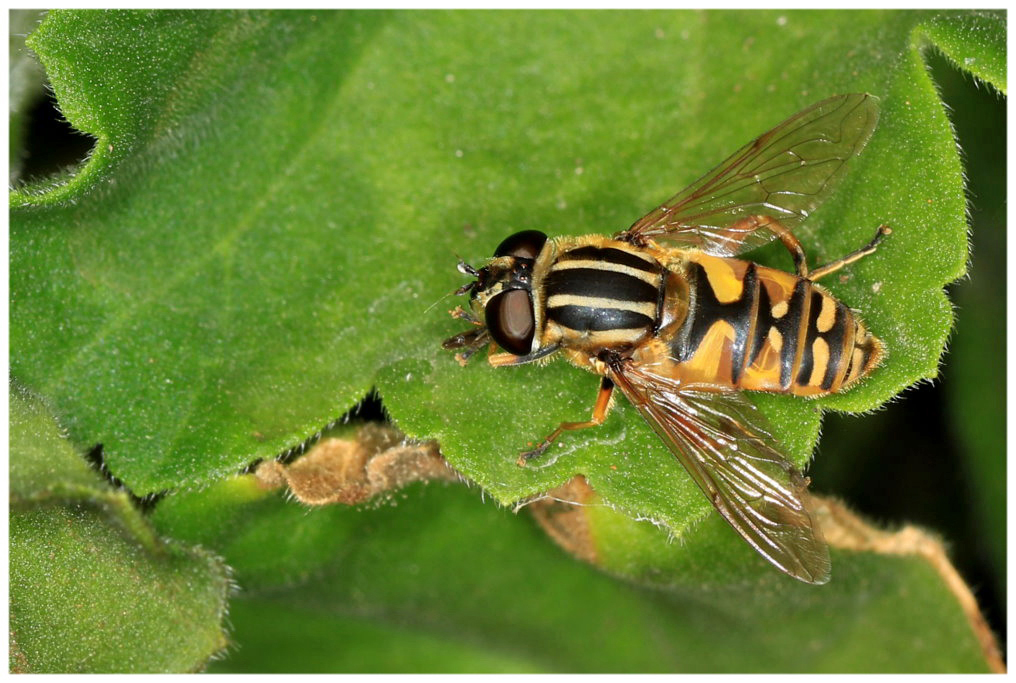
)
(600, 412)
(500, 360)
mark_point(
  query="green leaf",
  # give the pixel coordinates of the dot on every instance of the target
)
(434, 581)
(975, 43)
(92, 587)
(275, 200)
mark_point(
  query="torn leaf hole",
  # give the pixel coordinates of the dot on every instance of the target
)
(97, 461)
(369, 409)
(51, 145)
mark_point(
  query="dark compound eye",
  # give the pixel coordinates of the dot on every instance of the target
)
(525, 244)
(509, 317)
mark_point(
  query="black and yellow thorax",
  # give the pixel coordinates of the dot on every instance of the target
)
(593, 293)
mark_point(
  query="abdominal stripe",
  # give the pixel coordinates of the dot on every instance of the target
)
(707, 311)
(834, 338)
(789, 327)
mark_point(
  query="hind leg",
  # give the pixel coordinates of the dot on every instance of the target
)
(869, 248)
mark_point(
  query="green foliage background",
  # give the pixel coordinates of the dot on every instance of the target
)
(270, 208)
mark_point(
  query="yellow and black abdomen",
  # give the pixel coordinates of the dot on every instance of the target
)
(602, 295)
(757, 328)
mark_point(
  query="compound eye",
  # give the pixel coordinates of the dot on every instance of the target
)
(525, 244)
(510, 321)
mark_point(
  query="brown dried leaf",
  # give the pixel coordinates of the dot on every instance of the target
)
(347, 472)
(562, 517)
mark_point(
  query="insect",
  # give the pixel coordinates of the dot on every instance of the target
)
(665, 312)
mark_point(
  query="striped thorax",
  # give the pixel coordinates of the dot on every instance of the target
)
(593, 293)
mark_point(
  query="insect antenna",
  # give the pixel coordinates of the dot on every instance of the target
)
(465, 269)
(440, 299)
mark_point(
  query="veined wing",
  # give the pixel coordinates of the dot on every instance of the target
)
(783, 175)
(723, 442)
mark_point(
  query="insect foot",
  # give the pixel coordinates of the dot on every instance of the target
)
(526, 456)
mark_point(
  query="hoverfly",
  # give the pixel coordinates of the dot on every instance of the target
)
(667, 314)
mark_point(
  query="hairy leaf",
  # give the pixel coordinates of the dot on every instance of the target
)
(92, 587)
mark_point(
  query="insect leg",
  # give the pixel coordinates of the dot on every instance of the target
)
(791, 242)
(600, 411)
(828, 268)
(461, 314)
(470, 340)
(499, 360)
(742, 229)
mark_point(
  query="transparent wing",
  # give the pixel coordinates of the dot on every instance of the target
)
(784, 175)
(723, 442)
